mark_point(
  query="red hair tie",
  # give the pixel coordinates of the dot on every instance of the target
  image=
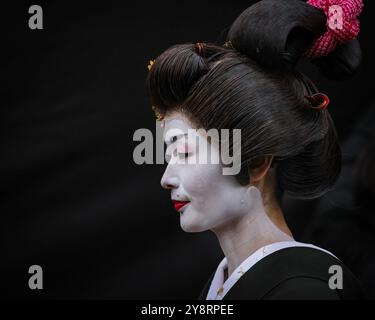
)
(319, 101)
(342, 25)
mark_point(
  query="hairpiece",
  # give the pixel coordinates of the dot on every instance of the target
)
(341, 30)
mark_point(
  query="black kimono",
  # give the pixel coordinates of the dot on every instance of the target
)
(292, 273)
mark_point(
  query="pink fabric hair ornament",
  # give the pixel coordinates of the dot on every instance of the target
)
(342, 25)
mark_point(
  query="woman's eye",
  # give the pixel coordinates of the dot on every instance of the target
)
(183, 151)
(183, 154)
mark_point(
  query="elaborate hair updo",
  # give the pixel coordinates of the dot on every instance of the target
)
(255, 87)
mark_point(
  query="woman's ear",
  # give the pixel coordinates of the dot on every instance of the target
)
(259, 167)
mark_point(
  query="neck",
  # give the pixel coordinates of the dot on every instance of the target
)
(241, 237)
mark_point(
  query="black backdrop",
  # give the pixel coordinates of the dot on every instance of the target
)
(72, 199)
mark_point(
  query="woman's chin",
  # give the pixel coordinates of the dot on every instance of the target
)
(191, 227)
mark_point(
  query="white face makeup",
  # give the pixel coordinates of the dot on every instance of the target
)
(214, 199)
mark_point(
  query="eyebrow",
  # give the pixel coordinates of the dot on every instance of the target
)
(177, 136)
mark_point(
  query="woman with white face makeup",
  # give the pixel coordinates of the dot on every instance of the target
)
(288, 146)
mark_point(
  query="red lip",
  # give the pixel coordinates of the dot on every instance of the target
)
(178, 205)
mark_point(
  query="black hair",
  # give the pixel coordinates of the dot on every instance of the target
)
(254, 86)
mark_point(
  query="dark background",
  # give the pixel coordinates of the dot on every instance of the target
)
(72, 200)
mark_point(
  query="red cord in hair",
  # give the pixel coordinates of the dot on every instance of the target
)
(342, 25)
(319, 101)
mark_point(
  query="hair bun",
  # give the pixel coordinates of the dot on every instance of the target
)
(342, 63)
(277, 33)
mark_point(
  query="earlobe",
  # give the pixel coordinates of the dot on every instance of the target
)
(259, 167)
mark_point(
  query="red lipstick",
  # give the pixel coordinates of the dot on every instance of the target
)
(178, 205)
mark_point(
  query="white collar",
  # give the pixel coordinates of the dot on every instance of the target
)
(219, 288)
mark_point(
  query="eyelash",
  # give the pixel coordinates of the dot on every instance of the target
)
(183, 151)
(185, 154)
(181, 154)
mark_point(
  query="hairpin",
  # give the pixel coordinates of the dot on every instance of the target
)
(228, 44)
(158, 115)
(199, 47)
(150, 64)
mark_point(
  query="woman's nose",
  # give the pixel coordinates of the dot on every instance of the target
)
(169, 181)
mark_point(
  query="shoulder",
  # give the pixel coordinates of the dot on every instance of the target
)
(297, 273)
(302, 288)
